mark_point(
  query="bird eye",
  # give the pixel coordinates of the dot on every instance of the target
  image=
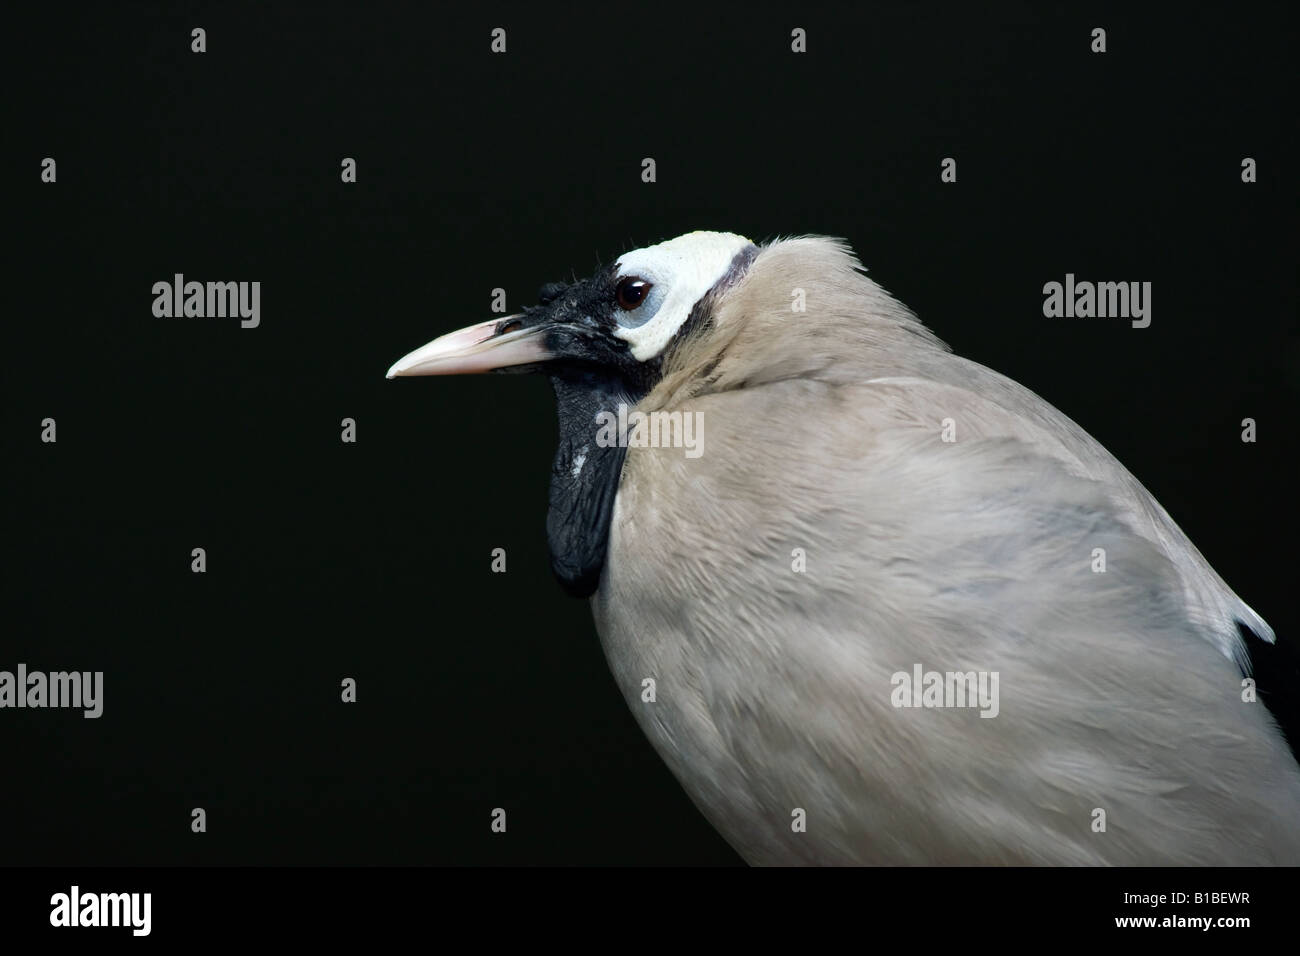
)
(631, 292)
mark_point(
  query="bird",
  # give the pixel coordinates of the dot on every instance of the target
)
(864, 511)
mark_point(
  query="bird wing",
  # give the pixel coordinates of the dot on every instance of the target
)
(973, 555)
(995, 405)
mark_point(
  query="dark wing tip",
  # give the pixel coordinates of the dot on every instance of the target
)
(1276, 670)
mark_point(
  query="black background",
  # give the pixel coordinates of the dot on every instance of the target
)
(475, 171)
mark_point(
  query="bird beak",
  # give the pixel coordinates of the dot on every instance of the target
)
(499, 343)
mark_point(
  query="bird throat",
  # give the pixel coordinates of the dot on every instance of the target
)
(584, 477)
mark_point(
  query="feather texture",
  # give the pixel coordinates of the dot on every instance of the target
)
(1119, 691)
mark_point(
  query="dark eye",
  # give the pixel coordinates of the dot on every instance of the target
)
(631, 292)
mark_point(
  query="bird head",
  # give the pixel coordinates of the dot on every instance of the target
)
(616, 324)
(602, 341)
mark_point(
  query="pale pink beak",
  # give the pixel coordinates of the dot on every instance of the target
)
(479, 348)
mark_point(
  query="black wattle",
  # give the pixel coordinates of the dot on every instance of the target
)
(581, 504)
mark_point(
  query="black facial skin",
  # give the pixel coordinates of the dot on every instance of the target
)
(593, 371)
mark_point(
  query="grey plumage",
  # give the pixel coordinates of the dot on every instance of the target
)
(1120, 691)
